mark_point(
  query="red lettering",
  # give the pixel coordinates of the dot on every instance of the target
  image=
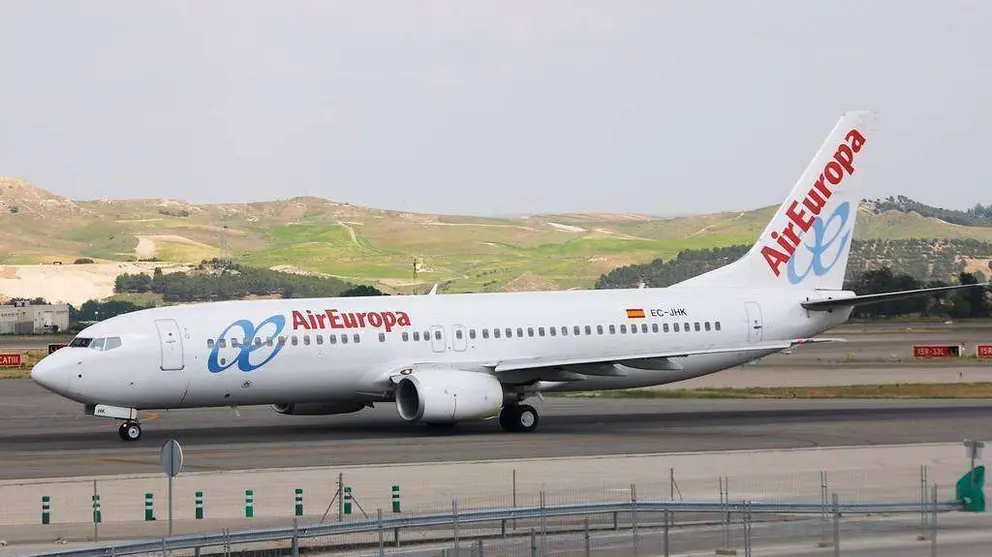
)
(774, 258)
(845, 157)
(784, 242)
(389, 319)
(833, 172)
(402, 319)
(361, 319)
(299, 321)
(349, 320)
(321, 318)
(856, 140)
(790, 233)
(334, 318)
(814, 202)
(375, 320)
(798, 217)
(823, 187)
(313, 320)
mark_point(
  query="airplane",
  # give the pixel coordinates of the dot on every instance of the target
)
(451, 358)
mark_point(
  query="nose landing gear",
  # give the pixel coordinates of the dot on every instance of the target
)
(130, 431)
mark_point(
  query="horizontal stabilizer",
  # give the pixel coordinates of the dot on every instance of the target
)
(823, 305)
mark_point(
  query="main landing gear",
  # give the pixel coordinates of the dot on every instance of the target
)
(130, 431)
(518, 418)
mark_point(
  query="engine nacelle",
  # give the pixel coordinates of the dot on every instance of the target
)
(318, 408)
(445, 396)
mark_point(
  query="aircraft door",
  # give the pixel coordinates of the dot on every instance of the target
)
(437, 338)
(459, 342)
(171, 343)
(755, 325)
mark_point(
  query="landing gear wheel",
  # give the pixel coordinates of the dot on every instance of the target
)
(130, 431)
(527, 418)
(522, 418)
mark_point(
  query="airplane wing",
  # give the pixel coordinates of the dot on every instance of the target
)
(823, 305)
(620, 358)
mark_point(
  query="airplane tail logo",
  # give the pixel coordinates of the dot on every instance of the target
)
(808, 241)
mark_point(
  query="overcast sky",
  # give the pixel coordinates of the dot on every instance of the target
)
(491, 107)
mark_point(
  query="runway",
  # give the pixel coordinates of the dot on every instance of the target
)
(44, 435)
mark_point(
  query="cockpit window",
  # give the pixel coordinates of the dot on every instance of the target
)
(102, 343)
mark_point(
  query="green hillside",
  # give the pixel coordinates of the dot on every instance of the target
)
(380, 247)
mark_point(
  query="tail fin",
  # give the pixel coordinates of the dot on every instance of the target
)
(807, 243)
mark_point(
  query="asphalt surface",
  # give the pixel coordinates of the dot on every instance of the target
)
(44, 435)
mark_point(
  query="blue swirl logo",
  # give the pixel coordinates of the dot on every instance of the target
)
(832, 247)
(251, 341)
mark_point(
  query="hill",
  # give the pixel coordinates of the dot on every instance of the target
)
(367, 245)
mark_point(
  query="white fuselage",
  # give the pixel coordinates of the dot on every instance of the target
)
(192, 356)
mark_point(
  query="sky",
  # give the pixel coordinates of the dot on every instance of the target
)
(491, 107)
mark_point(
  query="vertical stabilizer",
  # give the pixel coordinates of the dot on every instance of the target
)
(807, 243)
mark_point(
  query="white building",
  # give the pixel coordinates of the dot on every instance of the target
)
(24, 319)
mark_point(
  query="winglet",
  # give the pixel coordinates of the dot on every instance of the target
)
(433, 290)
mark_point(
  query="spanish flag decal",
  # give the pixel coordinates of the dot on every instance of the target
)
(635, 314)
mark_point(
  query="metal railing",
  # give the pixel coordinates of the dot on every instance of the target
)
(455, 518)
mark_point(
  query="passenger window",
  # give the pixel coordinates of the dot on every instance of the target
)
(576, 330)
(210, 343)
(530, 331)
(485, 333)
(427, 336)
(540, 331)
(654, 327)
(416, 336)
(696, 325)
(406, 336)
(306, 340)
(675, 327)
(509, 333)
(588, 330)
(687, 327)
(458, 334)
(294, 340)
(471, 334)
(356, 338)
(437, 334)
(623, 329)
(599, 329)
(644, 327)
(333, 339)
(223, 343)
(112, 342)
(268, 341)
(717, 325)
(344, 338)
(382, 337)
(234, 343)
(613, 329)
(520, 332)
(495, 333)
(320, 339)
(706, 325)
(633, 329)
(564, 331)
(553, 331)
(258, 341)
(664, 327)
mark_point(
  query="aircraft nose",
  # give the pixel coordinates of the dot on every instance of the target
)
(50, 375)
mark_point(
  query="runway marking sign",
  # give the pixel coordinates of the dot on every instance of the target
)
(983, 351)
(936, 351)
(11, 360)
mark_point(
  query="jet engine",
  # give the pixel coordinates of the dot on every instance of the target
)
(319, 408)
(440, 396)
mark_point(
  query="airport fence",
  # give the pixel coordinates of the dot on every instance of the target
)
(265, 514)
